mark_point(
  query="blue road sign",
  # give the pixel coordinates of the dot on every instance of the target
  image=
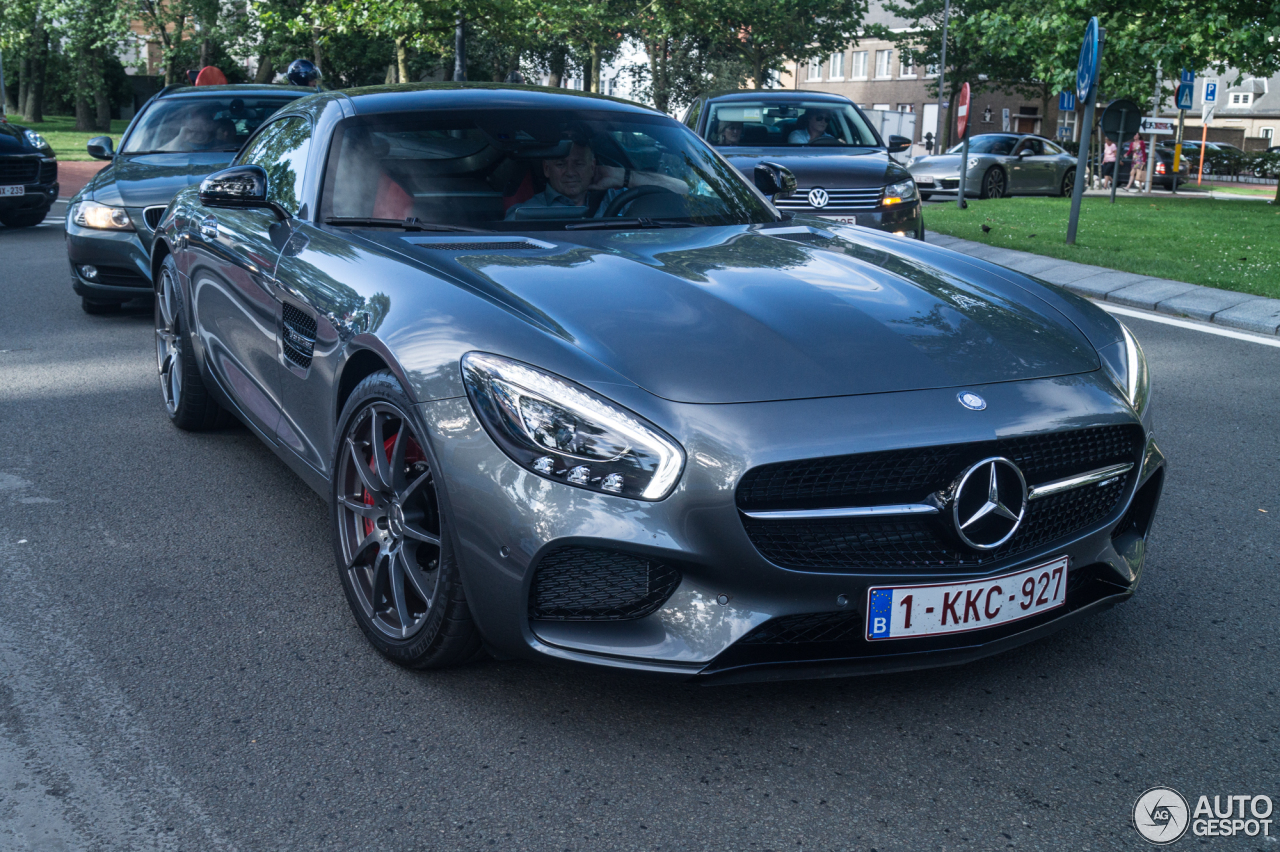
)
(1066, 102)
(1188, 76)
(1210, 91)
(1087, 69)
(1184, 95)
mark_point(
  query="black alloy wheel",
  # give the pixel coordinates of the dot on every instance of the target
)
(186, 399)
(994, 183)
(391, 536)
(1068, 183)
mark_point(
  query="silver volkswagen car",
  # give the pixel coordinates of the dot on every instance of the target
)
(1000, 164)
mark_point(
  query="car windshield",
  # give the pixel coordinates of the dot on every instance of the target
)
(1002, 145)
(532, 169)
(187, 125)
(780, 124)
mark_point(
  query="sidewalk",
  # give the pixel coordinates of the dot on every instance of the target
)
(1207, 304)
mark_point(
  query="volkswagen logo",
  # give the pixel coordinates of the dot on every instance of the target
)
(818, 197)
(971, 400)
(988, 502)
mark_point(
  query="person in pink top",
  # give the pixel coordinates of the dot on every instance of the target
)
(1137, 172)
(1108, 162)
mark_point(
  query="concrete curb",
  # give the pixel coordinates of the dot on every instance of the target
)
(1176, 298)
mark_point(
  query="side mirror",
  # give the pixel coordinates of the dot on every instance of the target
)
(898, 144)
(774, 180)
(100, 148)
(239, 187)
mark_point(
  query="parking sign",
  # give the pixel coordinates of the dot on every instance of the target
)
(1210, 91)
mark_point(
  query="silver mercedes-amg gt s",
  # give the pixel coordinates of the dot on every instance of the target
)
(575, 389)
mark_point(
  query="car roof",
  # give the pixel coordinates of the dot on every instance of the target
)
(236, 88)
(776, 94)
(371, 100)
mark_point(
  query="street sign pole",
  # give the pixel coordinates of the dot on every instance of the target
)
(962, 126)
(1151, 146)
(1206, 115)
(1177, 150)
(942, 81)
(1115, 170)
(1086, 82)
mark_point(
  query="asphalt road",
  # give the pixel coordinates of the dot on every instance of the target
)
(179, 669)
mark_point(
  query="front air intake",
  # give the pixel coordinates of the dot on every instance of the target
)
(586, 584)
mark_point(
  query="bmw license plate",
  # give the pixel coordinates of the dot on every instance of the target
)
(12, 190)
(900, 612)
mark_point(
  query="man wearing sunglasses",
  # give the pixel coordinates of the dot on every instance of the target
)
(815, 122)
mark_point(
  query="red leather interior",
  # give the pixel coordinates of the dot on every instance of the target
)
(391, 202)
(522, 194)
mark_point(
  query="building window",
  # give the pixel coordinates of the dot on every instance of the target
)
(884, 59)
(1242, 99)
(906, 107)
(858, 67)
(908, 68)
(931, 70)
(815, 69)
(881, 107)
(1268, 133)
(986, 115)
(837, 66)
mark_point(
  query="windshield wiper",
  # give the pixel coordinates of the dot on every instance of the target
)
(642, 222)
(413, 223)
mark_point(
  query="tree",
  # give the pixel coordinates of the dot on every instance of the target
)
(767, 34)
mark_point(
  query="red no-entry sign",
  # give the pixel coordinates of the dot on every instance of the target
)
(962, 110)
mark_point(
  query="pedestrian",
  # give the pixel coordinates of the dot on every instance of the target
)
(1108, 162)
(1137, 171)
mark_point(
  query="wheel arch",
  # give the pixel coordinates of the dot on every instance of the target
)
(159, 252)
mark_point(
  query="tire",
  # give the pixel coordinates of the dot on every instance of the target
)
(391, 535)
(24, 218)
(98, 309)
(994, 183)
(186, 399)
(1068, 183)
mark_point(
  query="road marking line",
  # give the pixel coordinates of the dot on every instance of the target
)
(1191, 324)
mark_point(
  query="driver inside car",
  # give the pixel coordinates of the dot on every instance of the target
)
(578, 181)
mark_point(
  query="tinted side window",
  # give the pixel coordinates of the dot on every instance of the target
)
(282, 150)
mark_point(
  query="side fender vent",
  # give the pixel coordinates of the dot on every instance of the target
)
(299, 337)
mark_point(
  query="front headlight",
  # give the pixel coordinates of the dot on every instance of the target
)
(563, 432)
(899, 193)
(973, 163)
(35, 140)
(91, 214)
(1127, 365)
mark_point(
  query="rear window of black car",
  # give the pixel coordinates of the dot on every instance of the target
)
(187, 125)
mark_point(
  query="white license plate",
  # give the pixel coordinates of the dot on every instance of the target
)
(900, 612)
(12, 190)
(843, 220)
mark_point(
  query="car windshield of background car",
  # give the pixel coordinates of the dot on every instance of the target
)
(188, 125)
(485, 169)
(987, 145)
(767, 124)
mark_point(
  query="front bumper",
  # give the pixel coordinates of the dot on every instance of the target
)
(34, 197)
(902, 219)
(508, 520)
(122, 258)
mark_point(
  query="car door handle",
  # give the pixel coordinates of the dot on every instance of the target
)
(209, 227)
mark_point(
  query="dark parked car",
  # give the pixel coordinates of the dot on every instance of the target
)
(844, 171)
(178, 137)
(576, 390)
(999, 164)
(1162, 161)
(28, 176)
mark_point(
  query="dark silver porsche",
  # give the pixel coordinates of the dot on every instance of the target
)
(575, 389)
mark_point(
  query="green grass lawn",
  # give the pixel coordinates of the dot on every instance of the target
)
(1234, 245)
(68, 143)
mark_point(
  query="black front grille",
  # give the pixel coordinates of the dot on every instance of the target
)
(153, 215)
(926, 543)
(299, 337)
(13, 172)
(49, 171)
(809, 627)
(121, 276)
(585, 584)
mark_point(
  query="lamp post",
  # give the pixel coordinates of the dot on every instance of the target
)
(942, 82)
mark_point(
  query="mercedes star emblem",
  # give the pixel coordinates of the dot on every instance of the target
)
(818, 197)
(971, 400)
(988, 503)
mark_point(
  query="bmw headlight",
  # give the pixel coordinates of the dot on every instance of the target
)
(563, 432)
(35, 140)
(91, 214)
(1128, 368)
(899, 193)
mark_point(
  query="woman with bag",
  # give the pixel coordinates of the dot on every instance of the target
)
(1138, 150)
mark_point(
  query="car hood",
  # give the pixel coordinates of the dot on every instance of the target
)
(12, 141)
(150, 179)
(721, 315)
(850, 168)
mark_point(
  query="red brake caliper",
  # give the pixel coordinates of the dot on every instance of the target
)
(412, 454)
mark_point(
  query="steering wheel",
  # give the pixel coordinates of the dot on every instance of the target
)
(616, 205)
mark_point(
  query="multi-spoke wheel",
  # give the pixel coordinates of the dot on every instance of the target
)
(185, 397)
(994, 183)
(1068, 183)
(391, 537)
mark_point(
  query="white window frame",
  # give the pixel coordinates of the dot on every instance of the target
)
(1241, 99)
(931, 71)
(906, 68)
(886, 66)
(906, 107)
(1268, 133)
(835, 66)
(882, 107)
(856, 72)
(815, 70)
